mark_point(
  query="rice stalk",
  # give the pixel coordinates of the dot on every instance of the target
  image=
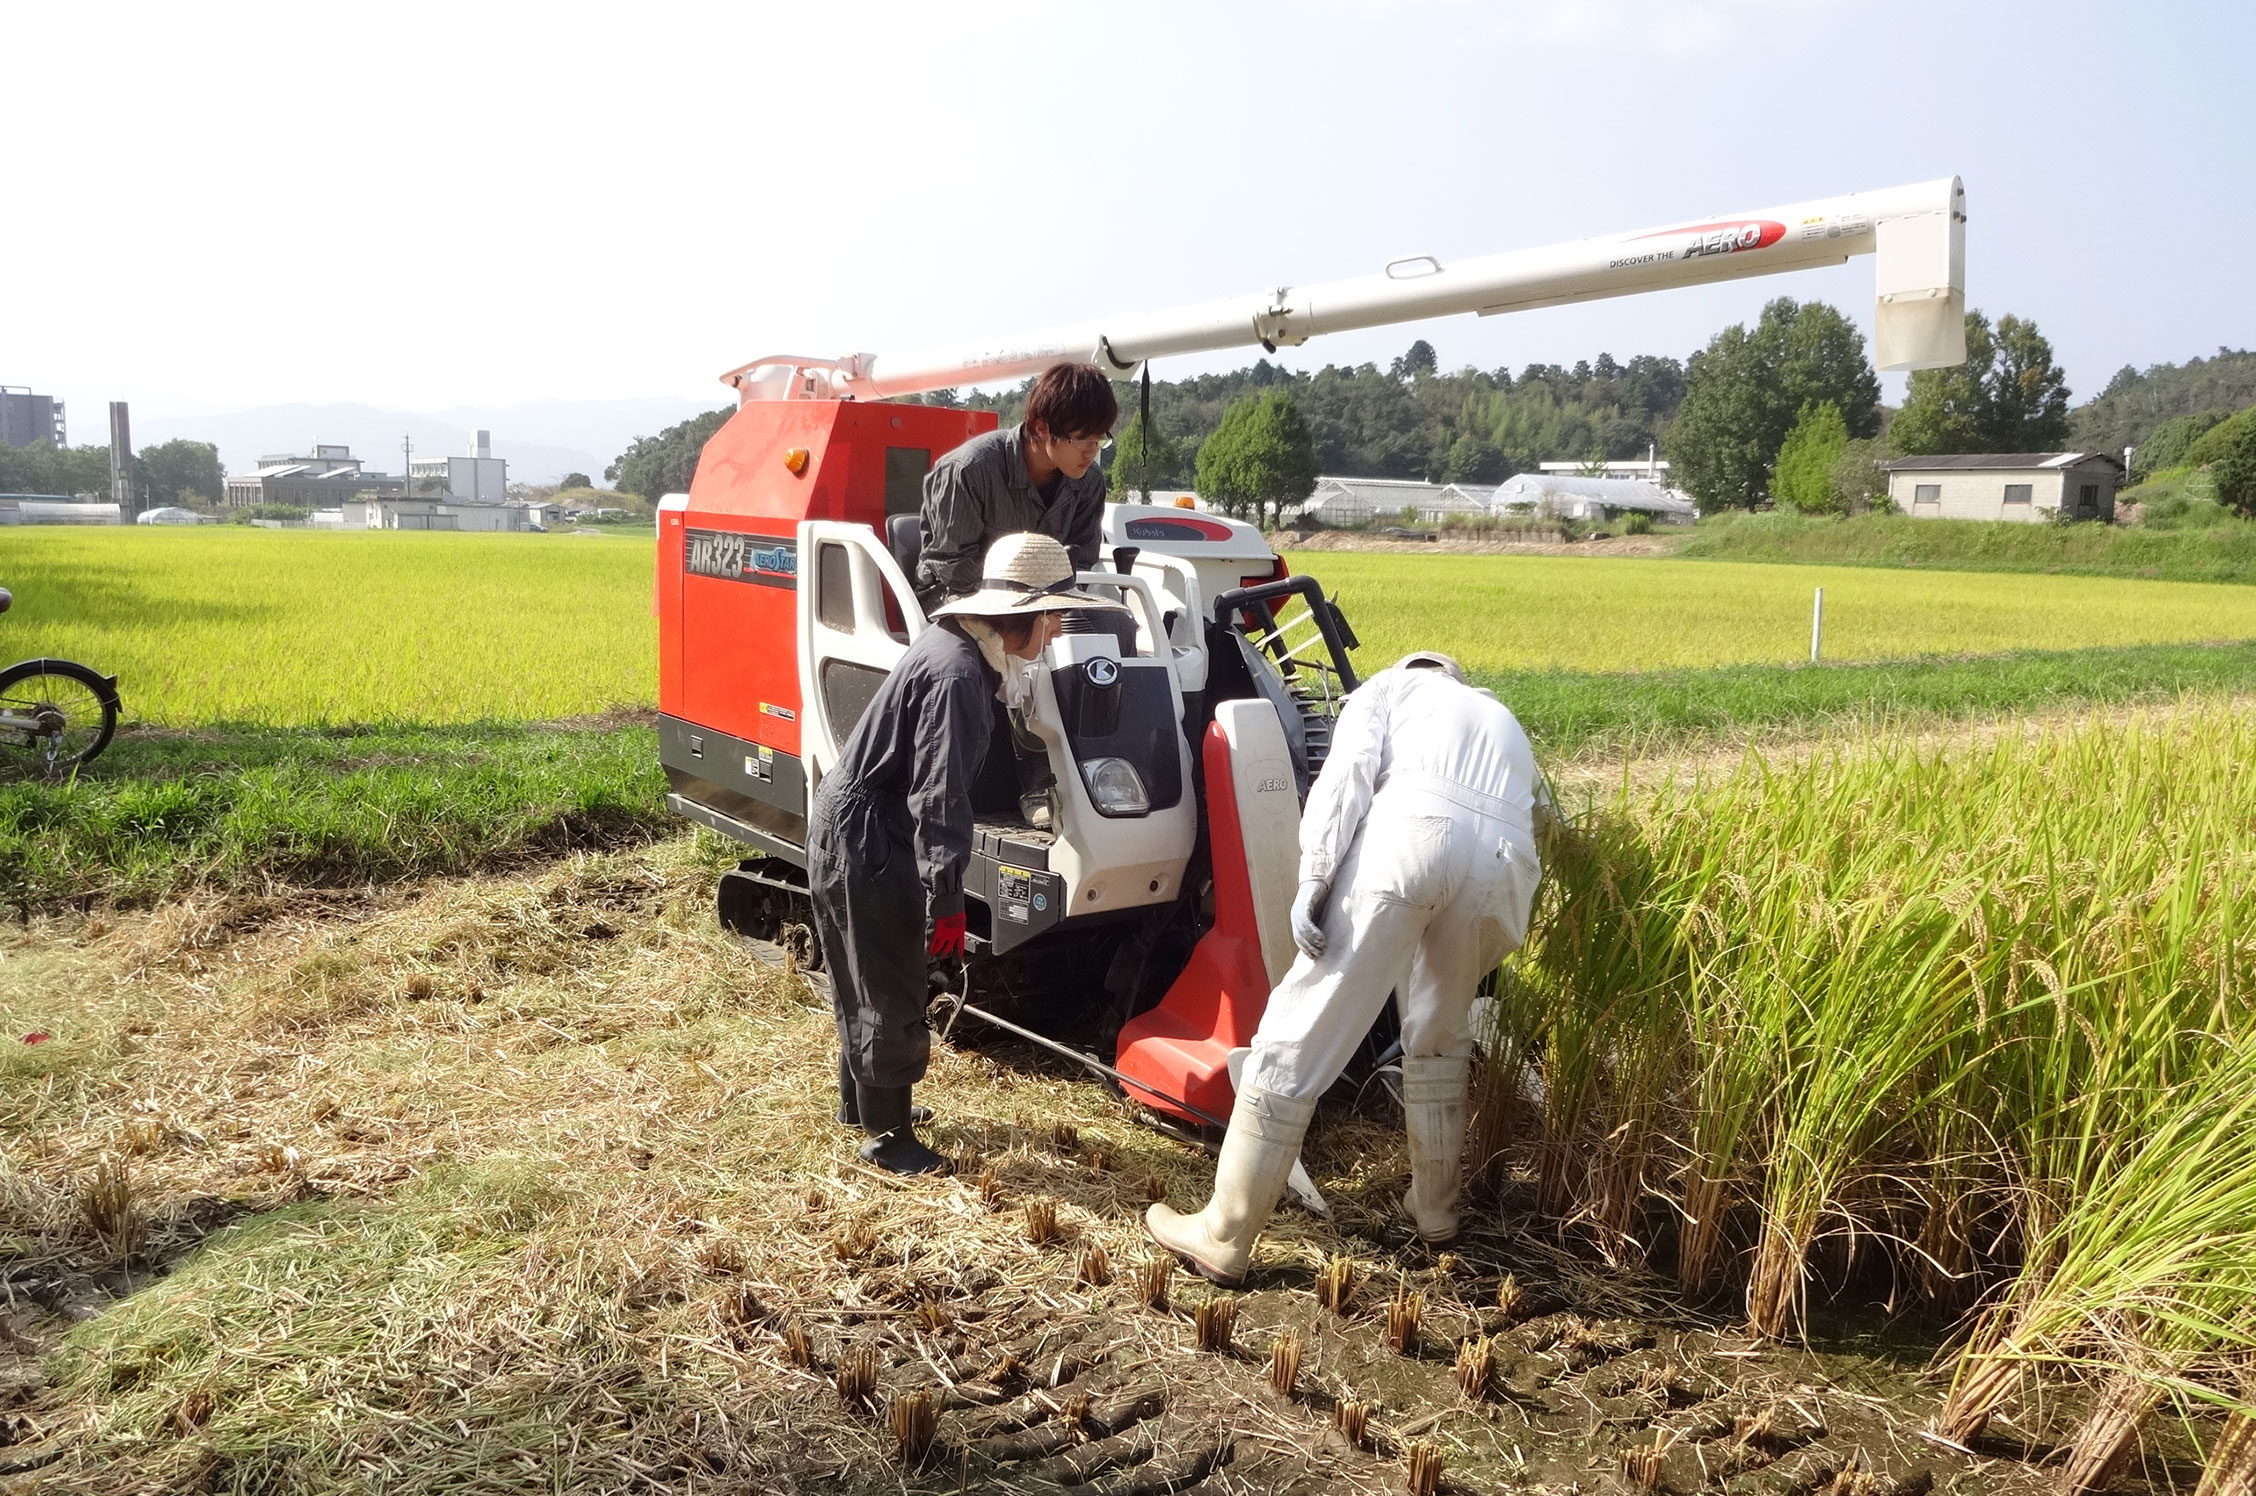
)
(1095, 1267)
(1284, 1364)
(1476, 1360)
(1352, 1418)
(1152, 1282)
(1423, 1467)
(855, 1378)
(1042, 1222)
(1403, 1313)
(1215, 1320)
(1335, 1284)
(2231, 1467)
(915, 1417)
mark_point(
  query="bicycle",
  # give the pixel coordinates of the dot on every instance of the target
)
(55, 715)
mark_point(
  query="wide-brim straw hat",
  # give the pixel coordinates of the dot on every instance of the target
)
(1024, 573)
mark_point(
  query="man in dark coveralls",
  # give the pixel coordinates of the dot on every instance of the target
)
(1040, 476)
(891, 828)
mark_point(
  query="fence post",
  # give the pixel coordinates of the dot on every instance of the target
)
(1817, 624)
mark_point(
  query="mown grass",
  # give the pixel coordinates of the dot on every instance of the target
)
(1521, 613)
(225, 624)
(245, 807)
(1579, 715)
(1963, 1025)
(2219, 552)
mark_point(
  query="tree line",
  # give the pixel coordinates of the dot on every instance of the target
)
(1786, 411)
(174, 472)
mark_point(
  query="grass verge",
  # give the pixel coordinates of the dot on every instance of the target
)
(249, 807)
(2220, 553)
(1571, 714)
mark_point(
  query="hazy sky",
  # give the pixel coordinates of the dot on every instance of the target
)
(416, 205)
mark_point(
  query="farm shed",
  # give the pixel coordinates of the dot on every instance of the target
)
(1594, 499)
(2025, 486)
(53, 509)
(1363, 501)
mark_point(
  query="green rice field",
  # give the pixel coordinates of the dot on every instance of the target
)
(302, 627)
(1505, 613)
(306, 628)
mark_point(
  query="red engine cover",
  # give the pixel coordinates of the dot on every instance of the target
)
(728, 644)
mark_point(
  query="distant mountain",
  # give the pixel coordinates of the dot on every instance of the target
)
(541, 439)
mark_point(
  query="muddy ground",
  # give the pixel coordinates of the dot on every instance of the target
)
(700, 1262)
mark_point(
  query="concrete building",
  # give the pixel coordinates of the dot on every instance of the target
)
(26, 418)
(477, 478)
(441, 514)
(331, 476)
(2024, 486)
(1591, 500)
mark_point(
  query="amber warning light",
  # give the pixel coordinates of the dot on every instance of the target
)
(795, 458)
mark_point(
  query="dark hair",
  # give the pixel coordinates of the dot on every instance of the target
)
(1072, 400)
(1014, 628)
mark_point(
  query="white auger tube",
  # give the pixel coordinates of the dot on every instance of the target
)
(1916, 233)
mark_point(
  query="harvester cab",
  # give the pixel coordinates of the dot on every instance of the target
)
(1138, 820)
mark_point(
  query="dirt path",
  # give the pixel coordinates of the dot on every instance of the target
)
(548, 1160)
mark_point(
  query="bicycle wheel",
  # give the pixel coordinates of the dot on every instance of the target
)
(55, 715)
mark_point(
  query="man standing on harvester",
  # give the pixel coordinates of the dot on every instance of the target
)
(890, 831)
(1418, 868)
(1039, 476)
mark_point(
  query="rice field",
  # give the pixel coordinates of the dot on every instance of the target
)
(1510, 613)
(310, 628)
(299, 627)
(1967, 1030)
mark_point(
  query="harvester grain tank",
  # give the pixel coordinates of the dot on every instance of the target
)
(1137, 841)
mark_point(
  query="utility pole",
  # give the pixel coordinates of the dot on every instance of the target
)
(121, 464)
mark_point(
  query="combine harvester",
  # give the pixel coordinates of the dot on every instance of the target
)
(1138, 838)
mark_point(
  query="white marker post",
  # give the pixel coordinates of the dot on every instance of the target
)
(1817, 624)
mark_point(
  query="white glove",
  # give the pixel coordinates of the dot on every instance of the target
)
(1308, 916)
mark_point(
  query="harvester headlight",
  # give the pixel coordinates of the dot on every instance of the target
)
(1114, 787)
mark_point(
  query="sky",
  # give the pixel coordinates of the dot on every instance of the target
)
(419, 206)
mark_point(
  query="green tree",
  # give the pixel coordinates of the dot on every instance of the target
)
(1141, 461)
(2234, 467)
(2009, 396)
(658, 465)
(1745, 390)
(1859, 482)
(73, 472)
(2219, 439)
(2166, 446)
(1260, 458)
(1419, 360)
(1803, 475)
(179, 472)
(577, 480)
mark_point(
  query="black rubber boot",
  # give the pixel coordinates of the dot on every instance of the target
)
(849, 1107)
(893, 1145)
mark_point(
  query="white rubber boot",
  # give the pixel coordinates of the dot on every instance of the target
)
(1433, 1105)
(1257, 1153)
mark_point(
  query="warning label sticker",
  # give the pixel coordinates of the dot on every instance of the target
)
(1014, 894)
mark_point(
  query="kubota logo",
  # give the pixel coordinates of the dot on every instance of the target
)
(1730, 238)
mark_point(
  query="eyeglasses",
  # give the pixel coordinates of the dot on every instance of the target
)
(1089, 444)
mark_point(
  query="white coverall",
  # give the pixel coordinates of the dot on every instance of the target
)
(1421, 824)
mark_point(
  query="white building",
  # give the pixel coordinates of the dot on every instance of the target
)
(1652, 469)
(1345, 502)
(1591, 500)
(2024, 486)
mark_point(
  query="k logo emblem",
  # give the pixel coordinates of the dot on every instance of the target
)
(1102, 672)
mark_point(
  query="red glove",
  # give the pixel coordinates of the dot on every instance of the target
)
(947, 936)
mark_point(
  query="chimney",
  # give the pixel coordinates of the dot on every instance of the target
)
(481, 445)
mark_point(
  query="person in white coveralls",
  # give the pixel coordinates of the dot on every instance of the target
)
(1417, 871)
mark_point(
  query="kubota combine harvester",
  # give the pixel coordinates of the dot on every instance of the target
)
(1137, 843)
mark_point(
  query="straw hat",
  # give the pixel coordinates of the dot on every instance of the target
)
(1023, 573)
